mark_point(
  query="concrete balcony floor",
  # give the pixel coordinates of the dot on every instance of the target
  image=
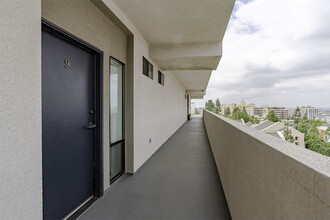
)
(180, 181)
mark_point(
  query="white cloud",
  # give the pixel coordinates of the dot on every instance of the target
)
(276, 53)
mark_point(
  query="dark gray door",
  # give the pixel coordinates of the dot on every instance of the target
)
(67, 141)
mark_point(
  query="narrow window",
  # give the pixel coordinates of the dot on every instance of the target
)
(148, 68)
(145, 66)
(151, 71)
(160, 78)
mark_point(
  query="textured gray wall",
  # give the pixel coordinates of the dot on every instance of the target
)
(266, 178)
(20, 114)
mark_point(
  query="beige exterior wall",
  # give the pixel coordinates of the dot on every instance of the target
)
(298, 137)
(225, 106)
(291, 113)
(264, 177)
(248, 107)
(323, 132)
(20, 115)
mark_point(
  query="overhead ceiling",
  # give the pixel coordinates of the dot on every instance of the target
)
(178, 21)
(185, 36)
(194, 80)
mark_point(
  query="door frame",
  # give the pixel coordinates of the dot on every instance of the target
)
(98, 103)
(123, 120)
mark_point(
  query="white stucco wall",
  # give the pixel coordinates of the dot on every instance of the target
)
(20, 114)
(158, 110)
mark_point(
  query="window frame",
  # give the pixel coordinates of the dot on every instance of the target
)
(149, 71)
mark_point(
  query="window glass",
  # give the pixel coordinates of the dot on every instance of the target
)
(148, 68)
(116, 101)
(160, 78)
(151, 71)
(145, 66)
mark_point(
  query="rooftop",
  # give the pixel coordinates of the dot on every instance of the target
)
(263, 125)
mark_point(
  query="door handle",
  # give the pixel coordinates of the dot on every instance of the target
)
(91, 125)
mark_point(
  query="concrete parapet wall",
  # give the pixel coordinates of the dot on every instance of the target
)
(265, 177)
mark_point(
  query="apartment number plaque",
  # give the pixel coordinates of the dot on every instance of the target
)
(66, 63)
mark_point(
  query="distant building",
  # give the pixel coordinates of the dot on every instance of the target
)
(323, 133)
(324, 116)
(258, 112)
(281, 112)
(248, 107)
(226, 106)
(276, 129)
(298, 137)
(310, 111)
(291, 113)
(192, 107)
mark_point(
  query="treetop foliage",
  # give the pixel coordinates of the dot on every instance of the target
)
(313, 139)
(272, 117)
(209, 105)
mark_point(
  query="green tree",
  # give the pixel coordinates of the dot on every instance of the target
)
(305, 118)
(227, 112)
(297, 116)
(236, 109)
(218, 105)
(313, 140)
(255, 120)
(272, 117)
(209, 105)
(241, 114)
(287, 133)
(217, 102)
(303, 126)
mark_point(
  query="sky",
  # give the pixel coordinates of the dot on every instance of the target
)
(275, 52)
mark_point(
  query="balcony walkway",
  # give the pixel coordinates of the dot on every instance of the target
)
(180, 181)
